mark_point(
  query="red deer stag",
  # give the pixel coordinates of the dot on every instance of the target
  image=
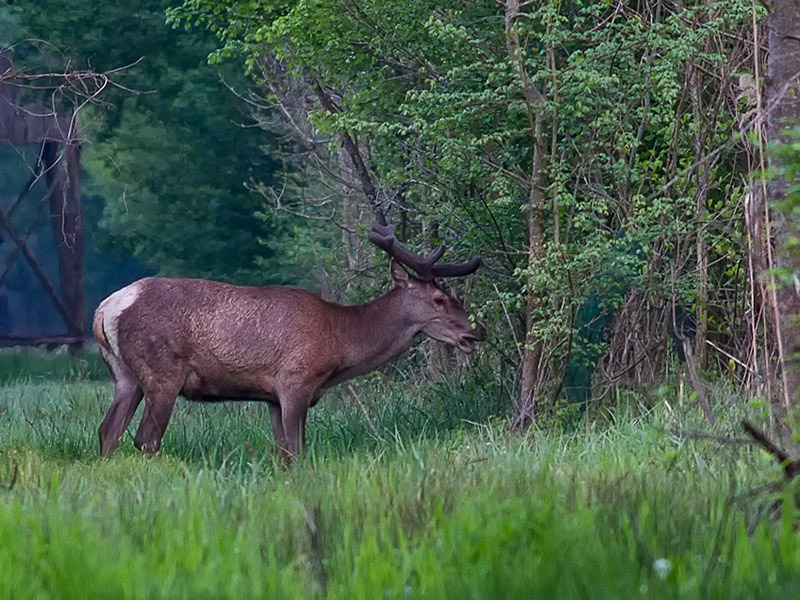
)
(211, 341)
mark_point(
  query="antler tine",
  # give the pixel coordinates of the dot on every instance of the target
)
(448, 270)
(383, 237)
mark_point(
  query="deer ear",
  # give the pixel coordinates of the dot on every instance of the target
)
(400, 276)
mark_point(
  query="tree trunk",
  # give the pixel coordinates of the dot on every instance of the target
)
(532, 355)
(700, 197)
(532, 374)
(783, 115)
(39, 123)
(66, 218)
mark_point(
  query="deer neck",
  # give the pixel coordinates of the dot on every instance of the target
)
(375, 333)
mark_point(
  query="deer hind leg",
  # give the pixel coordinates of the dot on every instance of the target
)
(127, 396)
(159, 400)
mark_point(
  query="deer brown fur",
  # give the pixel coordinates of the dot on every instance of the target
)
(211, 341)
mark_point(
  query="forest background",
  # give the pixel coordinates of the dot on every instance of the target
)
(608, 160)
(626, 169)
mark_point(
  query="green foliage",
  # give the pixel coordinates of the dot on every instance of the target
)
(433, 90)
(429, 508)
(637, 117)
(168, 150)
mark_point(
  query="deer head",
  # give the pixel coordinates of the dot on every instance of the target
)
(441, 315)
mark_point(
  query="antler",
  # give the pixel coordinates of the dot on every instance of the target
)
(383, 237)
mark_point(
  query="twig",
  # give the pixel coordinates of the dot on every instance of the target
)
(313, 519)
(363, 410)
(14, 474)
(720, 439)
(517, 345)
(791, 467)
(697, 383)
(730, 356)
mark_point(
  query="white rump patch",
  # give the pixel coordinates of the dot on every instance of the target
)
(112, 307)
(114, 362)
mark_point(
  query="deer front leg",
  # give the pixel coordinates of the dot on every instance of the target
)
(294, 409)
(278, 433)
(157, 412)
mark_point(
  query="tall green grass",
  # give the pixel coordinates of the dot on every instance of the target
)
(428, 497)
(34, 364)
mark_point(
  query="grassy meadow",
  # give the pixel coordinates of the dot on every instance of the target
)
(408, 491)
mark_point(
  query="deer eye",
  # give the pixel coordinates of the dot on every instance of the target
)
(439, 301)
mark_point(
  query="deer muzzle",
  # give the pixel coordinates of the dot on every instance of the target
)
(466, 342)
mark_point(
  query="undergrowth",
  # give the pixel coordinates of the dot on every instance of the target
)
(409, 490)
